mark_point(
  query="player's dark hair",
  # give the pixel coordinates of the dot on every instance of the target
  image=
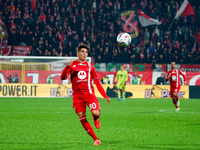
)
(83, 46)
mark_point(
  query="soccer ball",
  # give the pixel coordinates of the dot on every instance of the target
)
(123, 39)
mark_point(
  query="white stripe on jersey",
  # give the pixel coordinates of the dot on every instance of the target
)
(177, 78)
(89, 87)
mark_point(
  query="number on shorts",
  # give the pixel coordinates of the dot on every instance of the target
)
(92, 106)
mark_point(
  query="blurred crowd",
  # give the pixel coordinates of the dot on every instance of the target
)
(55, 28)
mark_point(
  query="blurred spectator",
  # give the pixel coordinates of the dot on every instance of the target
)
(160, 80)
(105, 80)
(9, 78)
(134, 79)
(146, 36)
(50, 79)
(15, 78)
(140, 79)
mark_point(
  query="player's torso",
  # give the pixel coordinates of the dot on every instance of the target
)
(121, 74)
(175, 78)
(81, 76)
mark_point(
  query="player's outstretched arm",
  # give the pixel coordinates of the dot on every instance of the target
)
(66, 71)
(101, 90)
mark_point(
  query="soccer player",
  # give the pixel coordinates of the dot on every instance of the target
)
(122, 75)
(175, 84)
(82, 73)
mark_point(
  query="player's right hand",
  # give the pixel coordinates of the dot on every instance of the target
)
(70, 63)
(169, 76)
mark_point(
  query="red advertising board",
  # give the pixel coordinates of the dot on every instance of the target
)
(5, 75)
(35, 76)
(193, 78)
(43, 76)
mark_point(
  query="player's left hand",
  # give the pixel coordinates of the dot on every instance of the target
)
(124, 83)
(108, 100)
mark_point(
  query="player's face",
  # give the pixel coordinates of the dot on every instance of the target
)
(122, 68)
(173, 65)
(82, 54)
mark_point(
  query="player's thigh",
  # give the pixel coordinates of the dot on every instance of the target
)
(119, 85)
(79, 105)
(171, 92)
(176, 91)
(93, 103)
(123, 87)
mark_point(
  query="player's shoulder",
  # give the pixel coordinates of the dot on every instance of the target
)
(119, 71)
(75, 62)
(180, 71)
(91, 63)
(169, 71)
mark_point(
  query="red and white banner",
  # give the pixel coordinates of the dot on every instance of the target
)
(146, 20)
(185, 10)
(21, 50)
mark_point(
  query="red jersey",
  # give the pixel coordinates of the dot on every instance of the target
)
(82, 74)
(175, 78)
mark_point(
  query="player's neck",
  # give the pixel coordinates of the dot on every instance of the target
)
(173, 69)
(81, 60)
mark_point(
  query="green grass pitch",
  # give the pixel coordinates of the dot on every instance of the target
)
(50, 123)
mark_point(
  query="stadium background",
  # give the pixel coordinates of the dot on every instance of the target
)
(55, 28)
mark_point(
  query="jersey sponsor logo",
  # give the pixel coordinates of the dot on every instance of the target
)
(82, 64)
(173, 77)
(81, 75)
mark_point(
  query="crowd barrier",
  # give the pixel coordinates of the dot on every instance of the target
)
(65, 90)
